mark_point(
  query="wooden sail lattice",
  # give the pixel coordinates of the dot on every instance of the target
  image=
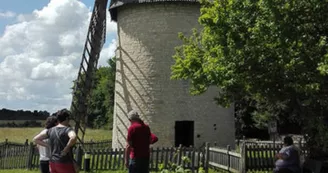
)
(95, 40)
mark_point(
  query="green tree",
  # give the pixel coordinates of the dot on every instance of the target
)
(101, 100)
(272, 53)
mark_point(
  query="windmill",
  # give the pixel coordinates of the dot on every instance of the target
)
(95, 40)
(143, 79)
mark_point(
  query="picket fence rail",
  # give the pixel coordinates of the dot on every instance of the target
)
(250, 157)
(225, 159)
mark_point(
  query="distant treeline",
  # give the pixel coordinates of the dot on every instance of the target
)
(21, 118)
(20, 123)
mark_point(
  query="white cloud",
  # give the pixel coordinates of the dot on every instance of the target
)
(107, 53)
(40, 55)
(7, 14)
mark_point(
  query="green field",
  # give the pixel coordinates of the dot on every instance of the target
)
(21, 134)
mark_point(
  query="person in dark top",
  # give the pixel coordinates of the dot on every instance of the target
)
(61, 140)
(137, 150)
(288, 158)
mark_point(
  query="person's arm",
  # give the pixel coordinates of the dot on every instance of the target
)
(281, 156)
(153, 138)
(38, 139)
(284, 155)
(72, 140)
(127, 152)
(128, 146)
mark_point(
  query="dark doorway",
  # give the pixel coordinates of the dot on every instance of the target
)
(184, 133)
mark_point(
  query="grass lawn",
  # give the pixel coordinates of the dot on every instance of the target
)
(37, 171)
(21, 134)
(122, 171)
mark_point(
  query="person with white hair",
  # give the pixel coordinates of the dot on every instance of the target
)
(139, 138)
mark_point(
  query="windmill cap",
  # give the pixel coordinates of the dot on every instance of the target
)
(133, 115)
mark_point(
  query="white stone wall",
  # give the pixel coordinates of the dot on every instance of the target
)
(147, 36)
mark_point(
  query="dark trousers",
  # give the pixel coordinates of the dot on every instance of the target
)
(283, 170)
(44, 166)
(139, 165)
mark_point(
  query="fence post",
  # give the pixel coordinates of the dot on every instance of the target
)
(6, 148)
(179, 156)
(207, 157)
(242, 161)
(228, 154)
(79, 153)
(30, 156)
(87, 162)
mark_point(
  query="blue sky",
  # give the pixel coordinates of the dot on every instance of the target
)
(25, 6)
(41, 43)
(22, 7)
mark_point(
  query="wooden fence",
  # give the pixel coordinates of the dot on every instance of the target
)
(225, 159)
(90, 145)
(113, 159)
(13, 156)
(259, 156)
(27, 156)
(103, 144)
(8, 143)
(252, 156)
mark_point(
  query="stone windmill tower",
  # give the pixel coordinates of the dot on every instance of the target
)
(147, 35)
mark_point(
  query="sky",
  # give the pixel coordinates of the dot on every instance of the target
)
(41, 43)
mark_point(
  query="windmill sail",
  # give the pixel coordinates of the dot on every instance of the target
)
(95, 40)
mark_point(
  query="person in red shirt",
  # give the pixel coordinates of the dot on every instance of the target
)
(137, 150)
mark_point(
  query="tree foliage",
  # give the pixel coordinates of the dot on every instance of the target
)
(273, 54)
(22, 118)
(101, 100)
(7, 114)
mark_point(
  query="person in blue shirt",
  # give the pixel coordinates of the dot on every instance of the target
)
(288, 158)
